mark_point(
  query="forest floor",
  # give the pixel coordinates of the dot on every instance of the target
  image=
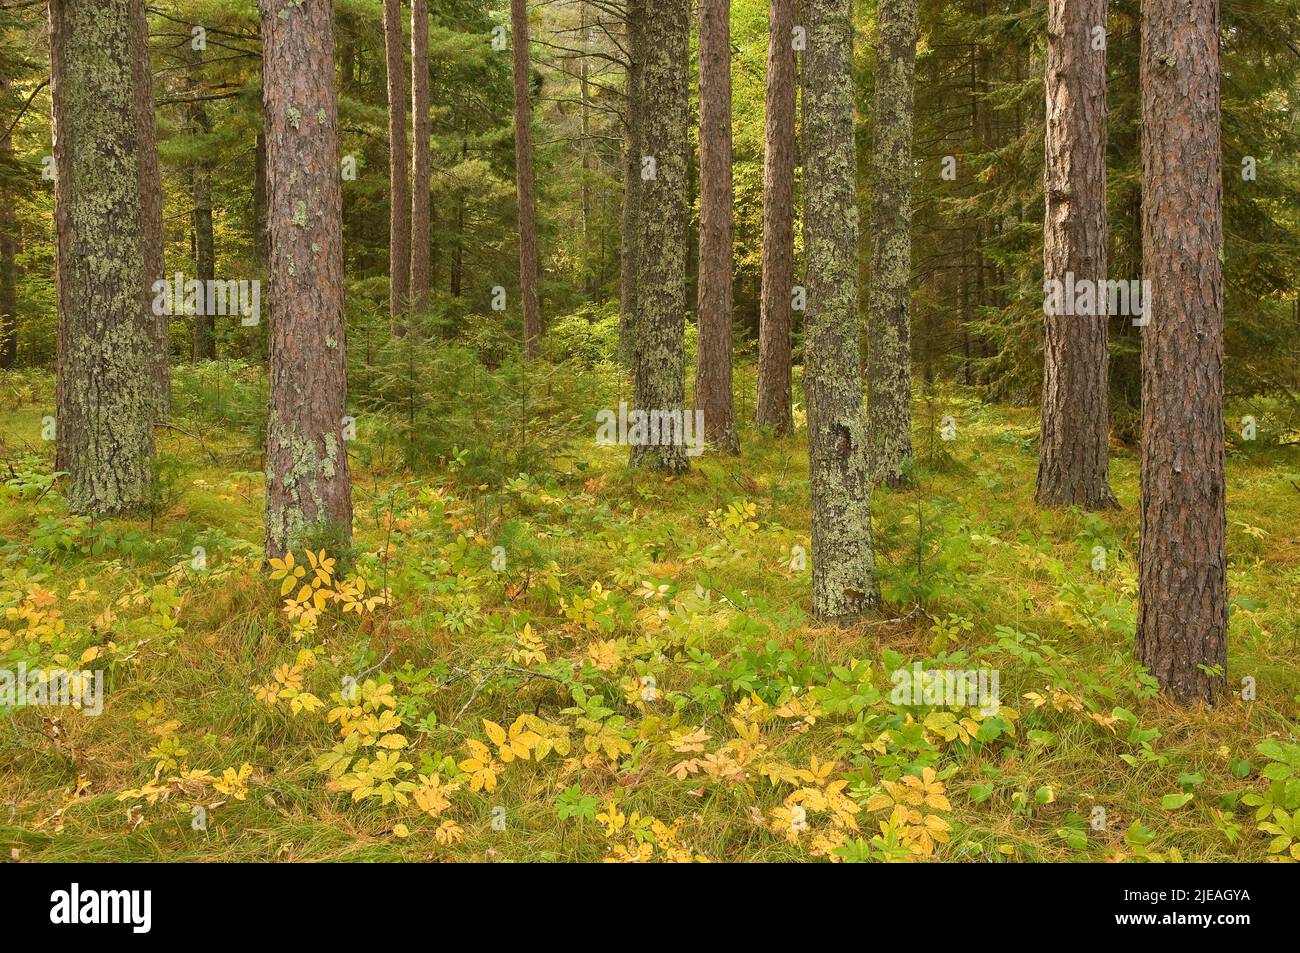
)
(633, 673)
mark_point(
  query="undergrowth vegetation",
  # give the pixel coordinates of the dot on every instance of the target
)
(533, 653)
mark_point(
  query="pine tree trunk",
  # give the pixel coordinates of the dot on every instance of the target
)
(105, 392)
(659, 341)
(776, 316)
(1182, 565)
(844, 583)
(8, 266)
(633, 131)
(151, 206)
(261, 237)
(532, 308)
(420, 171)
(205, 260)
(399, 189)
(889, 368)
(717, 197)
(1073, 457)
(308, 494)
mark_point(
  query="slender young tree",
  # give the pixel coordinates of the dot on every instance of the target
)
(776, 314)
(844, 576)
(8, 265)
(1182, 632)
(399, 186)
(420, 168)
(1073, 455)
(661, 282)
(151, 207)
(308, 493)
(105, 398)
(633, 128)
(524, 191)
(713, 394)
(205, 253)
(889, 364)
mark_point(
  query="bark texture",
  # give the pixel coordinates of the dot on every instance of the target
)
(524, 191)
(420, 169)
(151, 207)
(713, 394)
(8, 268)
(105, 398)
(889, 367)
(1073, 455)
(399, 186)
(1182, 571)
(308, 494)
(633, 131)
(776, 316)
(205, 253)
(844, 583)
(660, 328)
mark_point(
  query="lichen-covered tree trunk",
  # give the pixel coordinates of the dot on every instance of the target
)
(524, 192)
(633, 128)
(1073, 456)
(205, 254)
(660, 329)
(151, 207)
(713, 393)
(889, 365)
(420, 169)
(308, 494)
(1182, 566)
(844, 579)
(776, 317)
(399, 186)
(105, 398)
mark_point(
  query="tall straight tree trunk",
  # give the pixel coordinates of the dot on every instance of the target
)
(8, 267)
(151, 206)
(1073, 455)
(308, 493)
(105, 393)
(205, 256)
(889, 367)
(584, 92)
(844, 582)
(399, 187)
(532, 307)
(660, 329)
(717, 196)
(776, 315)
(1182, 566)
(420, 157)
(261, 238)
(633, 131)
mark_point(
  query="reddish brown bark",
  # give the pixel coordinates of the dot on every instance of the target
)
(714, 293)
(1182, 566)
(776, 317)
(308, 495)
(1073, 459)
(151, 205)
(524, 186)
(399, 189)
(420, 157)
